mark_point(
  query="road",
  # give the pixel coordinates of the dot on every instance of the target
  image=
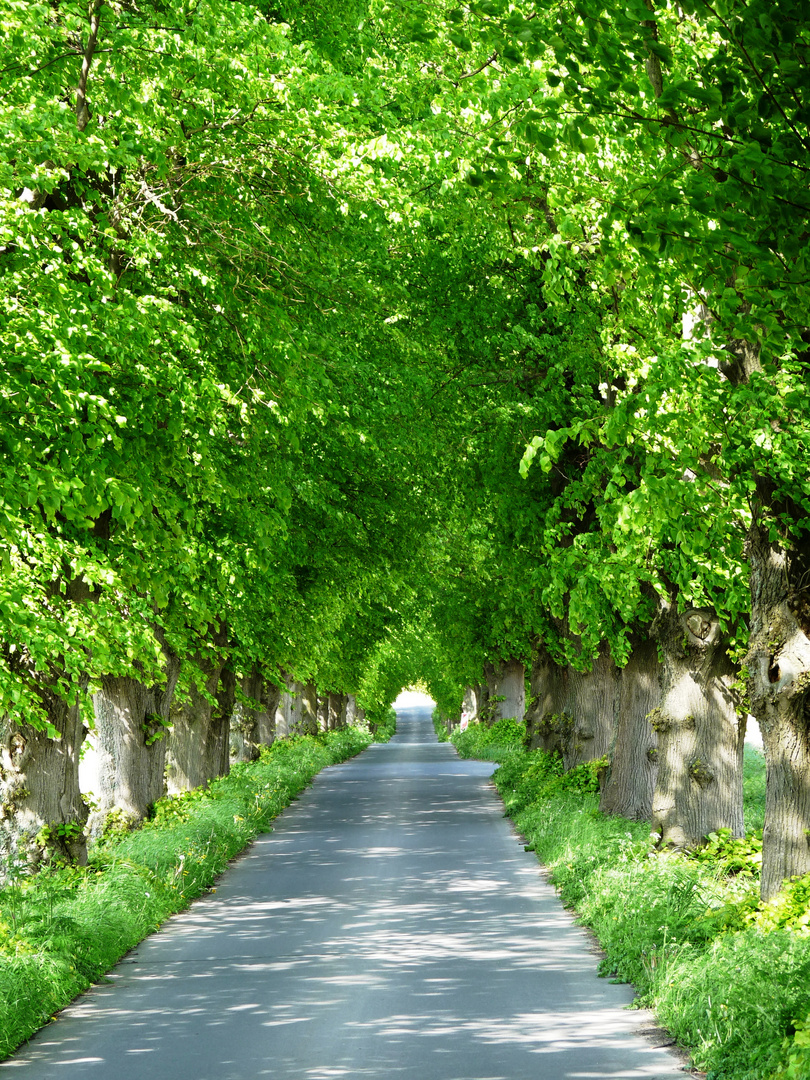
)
(390, 926)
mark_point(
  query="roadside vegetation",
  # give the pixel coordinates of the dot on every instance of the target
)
(725, 972)
(61, 930)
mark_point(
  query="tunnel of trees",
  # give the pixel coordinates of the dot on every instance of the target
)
(345, 346)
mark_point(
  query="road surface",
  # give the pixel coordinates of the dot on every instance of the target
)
(390, 926)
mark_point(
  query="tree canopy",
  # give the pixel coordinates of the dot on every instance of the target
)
(401, 339)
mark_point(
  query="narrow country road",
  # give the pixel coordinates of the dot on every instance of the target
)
(390, 926)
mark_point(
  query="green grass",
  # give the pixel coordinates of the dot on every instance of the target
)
(727, 975)
(495, 743)
(63, 929)
(754, 784)
(440, 727)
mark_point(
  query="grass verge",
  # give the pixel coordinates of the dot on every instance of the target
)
(63, 929)
(727, 975)
(488, 743)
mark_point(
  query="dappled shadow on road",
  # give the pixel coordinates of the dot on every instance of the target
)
(380, 931)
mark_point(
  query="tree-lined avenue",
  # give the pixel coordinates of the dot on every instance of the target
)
(390, 925)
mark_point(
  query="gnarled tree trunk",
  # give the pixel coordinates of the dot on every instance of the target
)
(470, 703)
(336, 706)
(506, 681)
(199, 748)
(548, 684)
(244, 734)
(306, 718)
(349, 718)
(779, 682)
(217, 749)
(268, 718)
(484, 708)
(284, 709)
(630, 781)
(586, 733)
(189, 755)
(131, 720)
(39, 790)
(700, 733)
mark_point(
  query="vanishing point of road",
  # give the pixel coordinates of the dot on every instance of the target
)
(391, 925)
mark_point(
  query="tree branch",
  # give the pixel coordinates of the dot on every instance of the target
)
(477, 71)
(82, 111)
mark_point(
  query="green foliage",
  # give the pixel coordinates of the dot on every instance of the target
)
(754, 778)
(689, 931)
(491, 743)
(797, 1051)
(537, 775)
(732, 856)
(725, 1001)
(155, 728)
(60, 931)
(440, 726)
(62, 830)
(789, 910)
(382, 723)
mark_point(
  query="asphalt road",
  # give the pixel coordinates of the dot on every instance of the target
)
(390, 926)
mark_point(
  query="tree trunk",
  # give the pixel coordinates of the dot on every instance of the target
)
(296, 708)
(630, 781)
(39, 790)
(217, 749)
(548, 683)
(336, 705)
(483, 701)
(131, 721)
(284, 710)
(323, 712)
(307, 711)
(350, 711)
(507, 690)
(779, 681)
(190, 755)
(470, 703)
(700, 734)
(267, 715)
(588, 725)
(245, 720)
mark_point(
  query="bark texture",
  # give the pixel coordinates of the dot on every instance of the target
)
(284, 710)
(470, 703)
(779, 684)
(199, 748)
(39, 791)
(131, 761)
(700, 733)
(587, 726)
(323, 712)
(267, 717)
(336, 704)
(630, 781)
(296, 708)
(483, 700)
(505, 681)
(244, 734)
(306, 719)
(350, 711)
(548, 683)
